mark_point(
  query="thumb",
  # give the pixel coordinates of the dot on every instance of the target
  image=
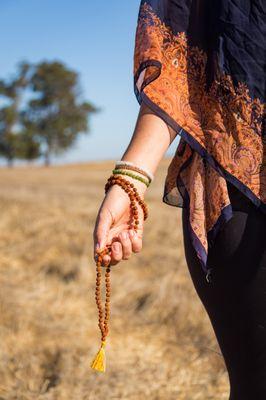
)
(101, 230)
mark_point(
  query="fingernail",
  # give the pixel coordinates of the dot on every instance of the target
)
(98, 247)
(131, 233)
(106, 260)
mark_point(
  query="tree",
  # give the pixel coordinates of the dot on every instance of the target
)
(56, 114)
(27, 147)
(9, 112)
(7, 136)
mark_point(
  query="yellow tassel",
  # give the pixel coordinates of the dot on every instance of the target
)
(99, 362)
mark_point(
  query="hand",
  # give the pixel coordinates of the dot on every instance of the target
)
(111, 225)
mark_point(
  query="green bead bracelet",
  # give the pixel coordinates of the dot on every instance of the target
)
(126, 172)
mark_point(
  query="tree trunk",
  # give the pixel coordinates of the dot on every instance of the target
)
(10, 162)
(47, 159)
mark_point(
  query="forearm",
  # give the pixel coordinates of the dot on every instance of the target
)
(150, 140)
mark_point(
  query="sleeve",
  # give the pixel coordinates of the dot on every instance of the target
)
(161, 62)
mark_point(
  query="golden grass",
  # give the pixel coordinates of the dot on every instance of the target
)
(161, 344)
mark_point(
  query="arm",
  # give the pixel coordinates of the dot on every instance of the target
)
(150, 140)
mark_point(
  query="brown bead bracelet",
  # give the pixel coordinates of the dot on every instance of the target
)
(133, 168)
(99, 362)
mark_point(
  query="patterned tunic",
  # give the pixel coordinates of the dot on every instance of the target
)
(200, 65)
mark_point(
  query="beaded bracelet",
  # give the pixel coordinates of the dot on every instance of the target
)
(99, 361)
(142, 170)
(124, 172)
(132, 168)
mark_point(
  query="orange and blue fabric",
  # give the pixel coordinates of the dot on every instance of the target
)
(200, 65)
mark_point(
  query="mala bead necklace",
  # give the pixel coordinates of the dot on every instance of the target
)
(99, 362)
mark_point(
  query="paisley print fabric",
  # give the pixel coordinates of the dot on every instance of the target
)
(200, 65)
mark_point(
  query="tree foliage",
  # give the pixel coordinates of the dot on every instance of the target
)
(51, 119)
(11, 91)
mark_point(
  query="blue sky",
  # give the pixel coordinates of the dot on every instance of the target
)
(96, 38)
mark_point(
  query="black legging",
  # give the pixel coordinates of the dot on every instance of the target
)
(235, 300)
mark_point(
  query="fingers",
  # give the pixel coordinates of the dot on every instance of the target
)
(121, 248)
(136, 241)
(101, 230)
(129, 241)
(126, 245)
(117, 253)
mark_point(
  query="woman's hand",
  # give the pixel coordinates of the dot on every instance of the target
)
(111, 225)
(150, 140)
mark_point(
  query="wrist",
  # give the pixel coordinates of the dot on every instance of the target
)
(129, 165)
(140, 186)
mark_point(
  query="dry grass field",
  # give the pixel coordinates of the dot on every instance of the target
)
(160, 346)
